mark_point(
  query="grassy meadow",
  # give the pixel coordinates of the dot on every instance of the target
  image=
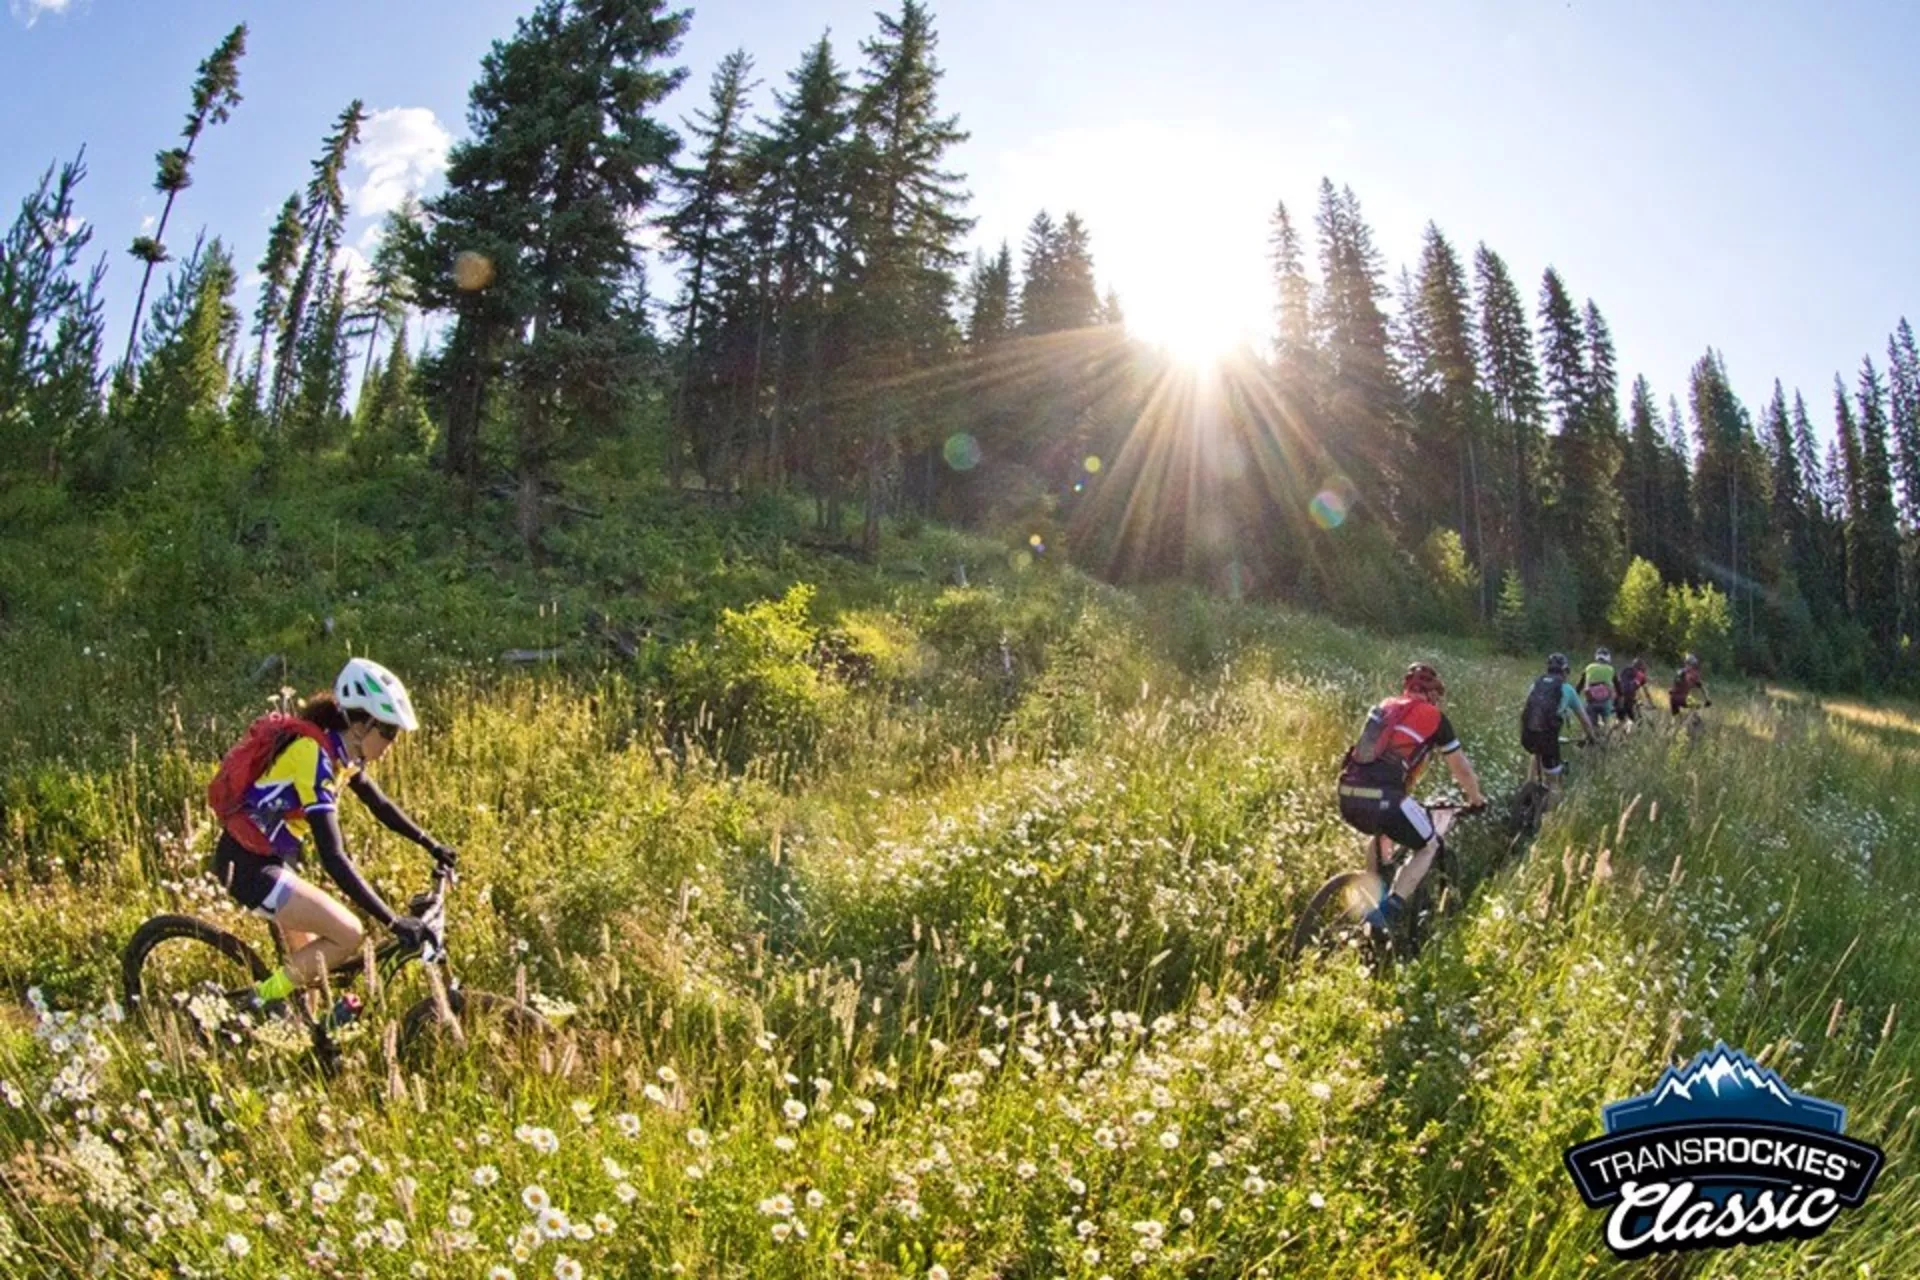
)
(901, 928)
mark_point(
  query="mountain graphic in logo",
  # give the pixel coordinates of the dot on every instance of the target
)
(1723, 1084)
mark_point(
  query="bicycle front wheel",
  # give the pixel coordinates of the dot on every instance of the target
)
(1335, 917)
(480, 1029)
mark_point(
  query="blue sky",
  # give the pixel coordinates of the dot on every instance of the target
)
(1725, 172)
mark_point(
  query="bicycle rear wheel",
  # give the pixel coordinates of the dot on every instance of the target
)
(178, 966)
(1334, 919)
(486, 1031)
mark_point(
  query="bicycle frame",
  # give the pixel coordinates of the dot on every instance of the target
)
(391, 956)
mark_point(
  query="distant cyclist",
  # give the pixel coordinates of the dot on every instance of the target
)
(1686, 684)
(1596, 686)
(1378, 776)
(1549, 702)
(1627, 686)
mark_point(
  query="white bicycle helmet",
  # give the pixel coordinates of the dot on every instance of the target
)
(364, 685)
(1603, 655)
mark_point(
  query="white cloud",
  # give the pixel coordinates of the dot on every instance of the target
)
(402, 150)
(28, 11)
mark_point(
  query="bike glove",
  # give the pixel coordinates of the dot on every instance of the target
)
(411, 930)
(445, 856)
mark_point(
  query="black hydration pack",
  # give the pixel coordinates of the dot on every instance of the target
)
(1542, 714)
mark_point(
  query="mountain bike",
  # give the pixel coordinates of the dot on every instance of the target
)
(189, 972)
(1535, 797)
(1335, 917)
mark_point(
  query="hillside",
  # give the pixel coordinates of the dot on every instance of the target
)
(906, 927)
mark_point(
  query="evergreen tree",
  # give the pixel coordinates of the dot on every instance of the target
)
(1450, 417)
(216, 92)
(1903, 376)
(903, 232)
(1640, 487)
(1511, 377)
(1363, 399)
(1039, 283)
(389, 291)
(390, 421)
(990, 300)
(50, 326)
(712, 195)
(1075, 294)
(563, 160)
(1846, 501)
(322, 219)
(276, 277)
(805, 157)
(1731, 490)
(316, 418)
(1875, 539)
(1112, 314)
(182, 387)
(1563, 353)
(1294, 350)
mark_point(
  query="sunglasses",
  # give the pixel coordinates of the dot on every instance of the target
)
(387, 731)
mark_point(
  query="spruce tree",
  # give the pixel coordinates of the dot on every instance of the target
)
(1875, 545)
(1640, 486)
(276, 277)
(805, 153)
(183, 381)
(1563, 354)
(389, 291)
(1450, 382)
(50, 326)
(1363, 400)
(1903, 404)
(904, 228)
(1294, 350)
(1075, 293)
(990, 300)
(1511, 377)
(323, 215)
(216, 92)
(1039, 283)
(711, 196)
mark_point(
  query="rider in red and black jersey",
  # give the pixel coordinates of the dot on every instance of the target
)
(1379, 774)
(1686, 684)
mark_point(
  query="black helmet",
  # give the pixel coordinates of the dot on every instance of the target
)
(1556, 664)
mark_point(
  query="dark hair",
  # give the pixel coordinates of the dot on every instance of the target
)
(321, 709)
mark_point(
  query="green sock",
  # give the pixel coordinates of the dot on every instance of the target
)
(277, 987)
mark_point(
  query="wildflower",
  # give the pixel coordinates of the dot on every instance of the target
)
(815, 1199)
(781, 1230)
(696, 1137)
(583, 1231)
(783, 1144)
(238, 1245)
(485, 1176)
(629, 1124)
(324, 1193)
(603, 1224)
(777, 1206)
(392, 1233)
(1320, 1089)
(1186, 1216)
(1254, 1184)
(535, 1197)
(1317, 1200)
(1169, 1139)
(695, 1173)
(864, 1107)
(625, 1192)
(565, 1268)
(498, 1272)
(795, 1110)
(842, 1121)
(936, 1272)
(583, 1111)
(1025, 1170)
(655, 1094)
(459, 1215)
(1085, 1228)
(554, 1224)
(668, 1075)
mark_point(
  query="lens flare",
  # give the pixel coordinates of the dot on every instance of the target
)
(961, 451)
(472, 271)
(1092, 464)
(1331, 506)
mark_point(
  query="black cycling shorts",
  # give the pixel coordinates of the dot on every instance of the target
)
(1546, 745)
(1393, 814)
(261, 883)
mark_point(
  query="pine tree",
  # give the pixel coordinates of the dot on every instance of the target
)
(1511, 377)
(1563, 353)
(1039, 284)
(1075, 293)
(711, 193)
(1451, 420)
(316, 418)
(50, 326)
(903, 231)
(1640, 476)
(216, 92)
(1903, 375)
(276, 277)
(990, 300)
(1363, 400)
(1731, 489)
(322, 219)
(1294, 351)
(805, 157)
(1875, 543)
(389, 292)
(1846, 500)
(182, 387)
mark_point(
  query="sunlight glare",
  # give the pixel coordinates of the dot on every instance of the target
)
(1196, 322)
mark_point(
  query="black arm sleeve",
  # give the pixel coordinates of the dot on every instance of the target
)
(391, 816)
(333, 856)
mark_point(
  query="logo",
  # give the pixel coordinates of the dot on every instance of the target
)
(1720, 1153)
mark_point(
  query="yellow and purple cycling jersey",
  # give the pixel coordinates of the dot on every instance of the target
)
(302, 779)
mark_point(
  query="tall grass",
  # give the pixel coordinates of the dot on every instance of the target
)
(982, 976)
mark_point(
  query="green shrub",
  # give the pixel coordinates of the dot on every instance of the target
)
(752, 688)
(1639, 613)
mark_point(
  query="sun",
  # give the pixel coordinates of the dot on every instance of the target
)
(1197, 320)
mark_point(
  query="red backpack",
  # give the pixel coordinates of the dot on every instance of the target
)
(242, 766)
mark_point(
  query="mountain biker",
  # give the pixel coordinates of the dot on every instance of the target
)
(296, 797)
(1680, 696)
(1549, 702)
(1632, 679)
(1378, 776)
(1596, 685)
